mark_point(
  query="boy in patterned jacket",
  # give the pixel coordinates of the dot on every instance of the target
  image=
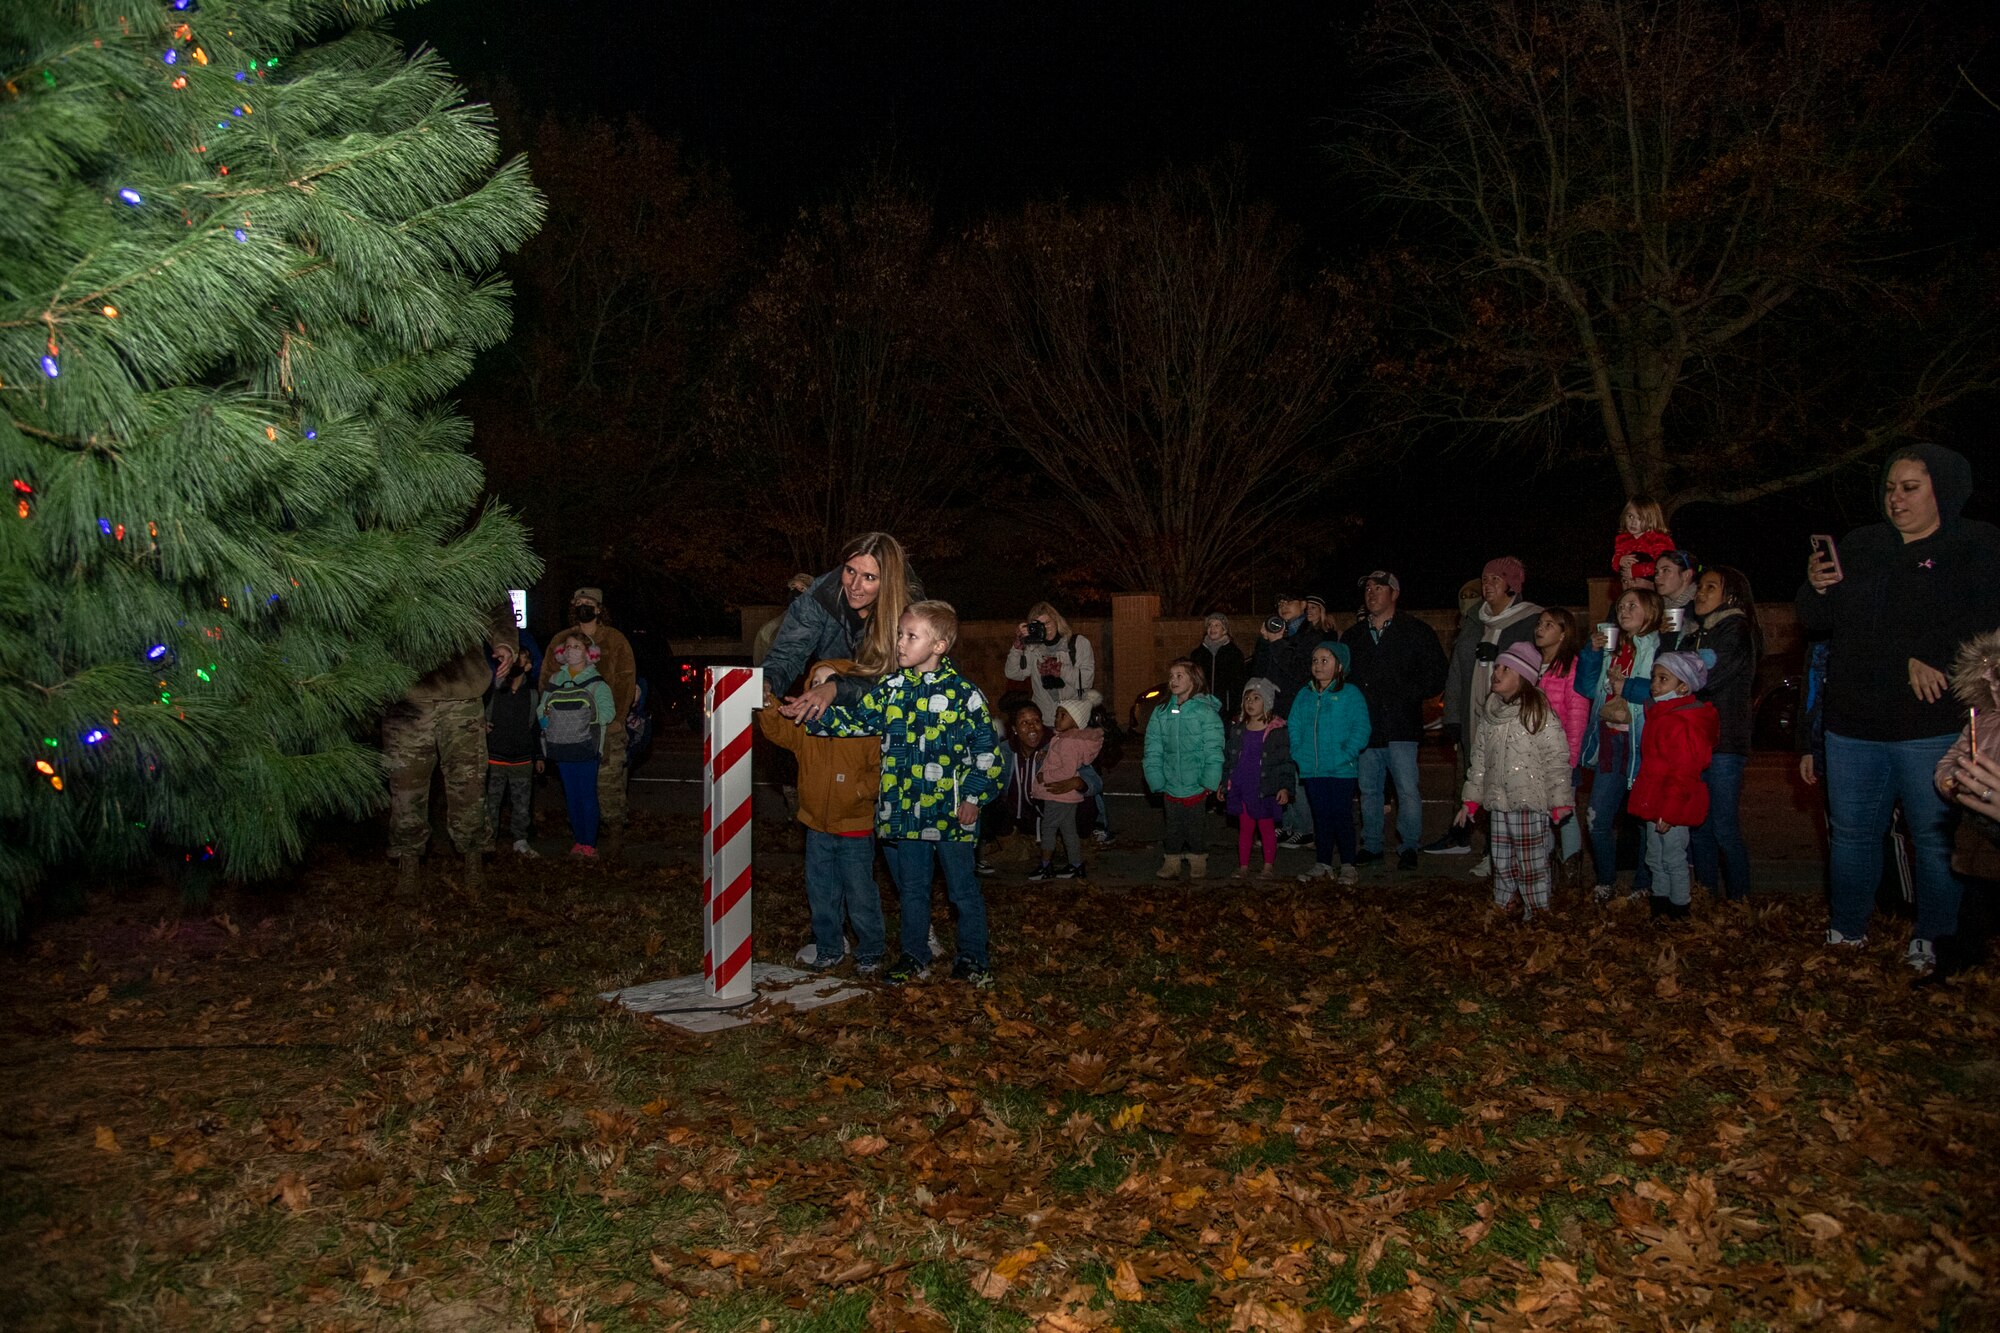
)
(939, 767)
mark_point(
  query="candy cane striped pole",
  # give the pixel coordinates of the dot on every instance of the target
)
(729, 696)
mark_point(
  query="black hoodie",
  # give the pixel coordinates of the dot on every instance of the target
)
(1898, 600)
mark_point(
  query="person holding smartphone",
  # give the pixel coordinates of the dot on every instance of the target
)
(1894, 600)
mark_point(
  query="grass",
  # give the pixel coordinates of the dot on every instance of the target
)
(481, 1133)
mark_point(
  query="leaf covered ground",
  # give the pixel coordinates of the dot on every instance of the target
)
(1217, 1107)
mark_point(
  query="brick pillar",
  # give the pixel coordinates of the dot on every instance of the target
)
(1603, 592)
(1134, 620)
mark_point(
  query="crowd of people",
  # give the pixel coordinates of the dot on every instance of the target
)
(1561, 731)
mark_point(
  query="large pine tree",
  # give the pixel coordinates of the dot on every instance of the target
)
(243, 255)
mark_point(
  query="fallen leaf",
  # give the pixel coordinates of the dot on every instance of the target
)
(105, 1140)
(1821, 1227)
(1128, 1117)
(865, 1145)
(292, 1191)
(1124, 1283)
(1648, 1143)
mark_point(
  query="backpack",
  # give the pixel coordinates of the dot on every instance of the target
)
(573, 734)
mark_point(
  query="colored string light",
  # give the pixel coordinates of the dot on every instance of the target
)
(171, 57)
(104, 526)
(200, 56)
(180, 81)
(44, 766)
(132, 197)
(312, 435)
(50, 368)
(51, 742)
(156, 652)
(93, 736)
(111, 312)
(241, 239)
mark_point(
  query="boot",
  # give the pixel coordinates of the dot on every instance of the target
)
(475, 872)
(409, 874)
(1198, 865)
(1170, 868)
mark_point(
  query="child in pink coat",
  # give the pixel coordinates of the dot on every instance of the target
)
(1558, 636)
(1059, 787)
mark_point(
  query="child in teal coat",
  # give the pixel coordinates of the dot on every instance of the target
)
(1329, 729)
(1184, 765)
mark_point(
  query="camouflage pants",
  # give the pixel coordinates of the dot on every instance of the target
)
(418, 737)
(611, 784)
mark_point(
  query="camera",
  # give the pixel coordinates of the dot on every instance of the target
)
(1038, 633)
(1276, 624)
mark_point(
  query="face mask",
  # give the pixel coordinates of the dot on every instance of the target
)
(1662, 698)
(585, 614)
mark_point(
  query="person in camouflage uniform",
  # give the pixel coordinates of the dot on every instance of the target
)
(441, 723)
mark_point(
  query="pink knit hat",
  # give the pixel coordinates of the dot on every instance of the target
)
(1524, 659)
(1508, 568)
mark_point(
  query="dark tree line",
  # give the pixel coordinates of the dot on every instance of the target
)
(1684, 240)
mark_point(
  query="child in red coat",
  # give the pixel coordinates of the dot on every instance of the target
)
(1675, 745)
(1642, 539)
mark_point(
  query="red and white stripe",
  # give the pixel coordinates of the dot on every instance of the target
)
(729, 696)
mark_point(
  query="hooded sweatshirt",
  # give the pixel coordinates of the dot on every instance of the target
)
(1898, 600)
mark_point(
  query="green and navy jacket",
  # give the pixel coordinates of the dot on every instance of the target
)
(938, 751)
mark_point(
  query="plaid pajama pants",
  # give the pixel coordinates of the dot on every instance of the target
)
(1520, 845)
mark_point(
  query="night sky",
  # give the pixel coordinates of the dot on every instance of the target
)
(989, 105)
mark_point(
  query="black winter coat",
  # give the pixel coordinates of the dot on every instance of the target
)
(1226, 673)
(1396, 675)
(1732, 681)
(1288, 662)
(1898, 600)
(1278, 773)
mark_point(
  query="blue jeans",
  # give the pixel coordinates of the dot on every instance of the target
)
(1720, 858)
(1864, 781)
(1607, 803)
(579, 781)
(1332, 817)
(911, 862)
(840, 887)
(1093, 787)
(1397, 762)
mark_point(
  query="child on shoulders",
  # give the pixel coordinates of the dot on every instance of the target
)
(1642, 539)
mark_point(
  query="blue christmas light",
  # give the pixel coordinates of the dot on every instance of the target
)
(241, 239)
(241, 77)
(312, 435)
(93, 736)
(49, 366)
(132, 197)
(171, 57)
(183, 4)
(104, 526)
(156, 652)
(236, 111)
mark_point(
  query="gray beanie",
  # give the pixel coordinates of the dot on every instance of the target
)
(1264, 690)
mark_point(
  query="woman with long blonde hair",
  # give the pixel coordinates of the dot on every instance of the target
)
(850, 611)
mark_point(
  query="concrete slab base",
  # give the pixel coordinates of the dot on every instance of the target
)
(686, 1003)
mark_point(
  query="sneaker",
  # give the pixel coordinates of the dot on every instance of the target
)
(1602, 893)
(1070, 872)
(936, 945)
(984, 867)
(1406, 859)
(1349, 875)
(905, 970)
(1102, 837)
(1242, 872)
(974, 974)
(584, 850)
(811, 958)
(1482, 868)
(521, 848)
(1920, 957)
(1268, 872)
(1365, 858)
(1851, 941)
(1455, 842)
(1320, 870)
(1295, 840)
(871, 968)
(1039, 875)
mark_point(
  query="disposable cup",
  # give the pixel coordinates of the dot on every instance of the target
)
(1609, 629)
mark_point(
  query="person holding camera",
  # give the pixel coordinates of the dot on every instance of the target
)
(1284, 657)
(1059, 665)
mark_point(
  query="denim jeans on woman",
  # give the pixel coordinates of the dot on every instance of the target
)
(1380, 765)
(1864, 781)
(1607, 804)
(840, 888)
(1721, 860)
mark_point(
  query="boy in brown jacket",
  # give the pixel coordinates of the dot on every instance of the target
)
(839, 780)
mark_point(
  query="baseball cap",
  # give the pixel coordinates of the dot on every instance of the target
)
(1381, 576)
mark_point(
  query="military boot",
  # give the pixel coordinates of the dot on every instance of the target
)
(409, 873)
